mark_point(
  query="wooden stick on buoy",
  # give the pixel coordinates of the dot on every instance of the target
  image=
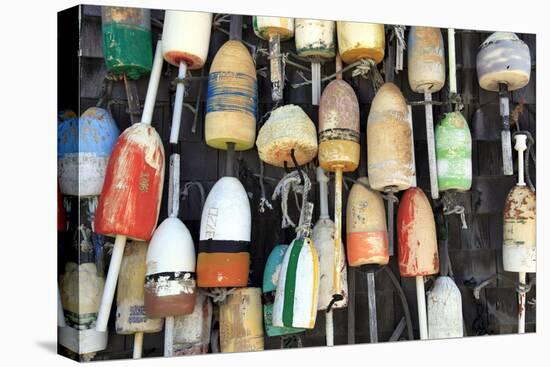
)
(104, 221)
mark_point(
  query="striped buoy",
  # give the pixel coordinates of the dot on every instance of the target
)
(358, 41)
(232, 98)
(315, 38)
(296, 297)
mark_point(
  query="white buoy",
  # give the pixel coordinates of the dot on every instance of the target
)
(445, 310)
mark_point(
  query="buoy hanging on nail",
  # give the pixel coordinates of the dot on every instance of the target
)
(288, 128)
(316, 41)
(232, 98)
(192, 332)
(241, 321)
(274, 30)
(357, 41)
(445, 310)
(296, 297)
(186, 37)
(127, 41)
(84, 146)
(272, 272)
(224, 247)
(453, 149)
(389, 149)
(504, 64)
(367, 234)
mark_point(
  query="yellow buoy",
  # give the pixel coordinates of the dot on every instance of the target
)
(358, 41)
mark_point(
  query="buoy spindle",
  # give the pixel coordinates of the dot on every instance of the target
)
(337, 228)
(152, 88)
(138, 345)
(505, 135)
(421, 302)
(431, 145)
(371, 288)
(276, 68)
(452, 60)
(178, 103)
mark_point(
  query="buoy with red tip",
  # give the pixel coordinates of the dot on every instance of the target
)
(504, 64)
(426, 63)
(316, 41)
(84, 147)
(192, 332)
(130, 311)
(130, 199)
(417, 246)
(519, 251)
(186, 37)
(241, 328)
(274, 30)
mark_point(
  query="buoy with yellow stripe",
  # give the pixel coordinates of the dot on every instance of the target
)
(361, 42)
(274, 30)
(241, 328)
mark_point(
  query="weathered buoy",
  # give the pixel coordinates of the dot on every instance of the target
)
(127, 43)
(84, 146)
(426, 59)
(453, 149)
(358, 41)
(241, 321)
(296, 297)
(389, 146)
(192, 332)
(367, 233)
(445, 310)
(274, 30)
(81, 287)
(288, 128)
(170, 287)
(224, 245)
(272, 271)
(417, 246)
(232, 98)
(315, 40)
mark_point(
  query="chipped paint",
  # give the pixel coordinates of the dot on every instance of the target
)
(315, 38)
(192, 332)
(358, 41)
(266, 26)
(426, 59)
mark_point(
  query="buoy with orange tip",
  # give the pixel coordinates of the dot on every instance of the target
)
(130, 199)
(417, 246)
(186, 37)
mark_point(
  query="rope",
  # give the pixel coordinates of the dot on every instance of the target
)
(292, 182)
(263, 200)
(451, 207)
(219, 295)
(398, 31)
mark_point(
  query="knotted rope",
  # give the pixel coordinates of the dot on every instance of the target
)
(292, 182)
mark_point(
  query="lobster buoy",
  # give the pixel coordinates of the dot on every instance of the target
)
(453, 149)
(426, 59)
(264, 27)
(127, 42)
(186, 37)
(339, 128)
(272, 271)
(241, 321)
(170, 287)
(503, 59)
(389, 134)
(445, 310)
(232, 98)
(367, 233)
(224, 246)
(130, 312)
(192, 332)
(519, 251)
(84, 147)
(358, 41)
(81, 287)
(133, 181)
(315, 38)
(288, 128)
(296, 297)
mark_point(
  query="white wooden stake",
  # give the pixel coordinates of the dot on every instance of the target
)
(431, 145)
(421, 302)
(178, 104)
(138, 345)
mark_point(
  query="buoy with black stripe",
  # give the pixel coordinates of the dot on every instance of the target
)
(272, 271)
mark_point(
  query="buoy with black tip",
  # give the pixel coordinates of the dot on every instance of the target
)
(192, 332)
(417, 246)
(426, 64)
(323, 240)
(84, 146)
(232, 94)
(170, 286)
(519, 251)
(130, 198)
(504, 64)
(274, 30)
(272, 271)
(186, 37)
(316, 41)
(130, 312)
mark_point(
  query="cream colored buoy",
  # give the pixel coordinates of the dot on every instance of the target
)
(288, 128)
(389, 147)
(367, 233)
(241, 328)
(357, 41)
(232, 98)
(192, 332)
